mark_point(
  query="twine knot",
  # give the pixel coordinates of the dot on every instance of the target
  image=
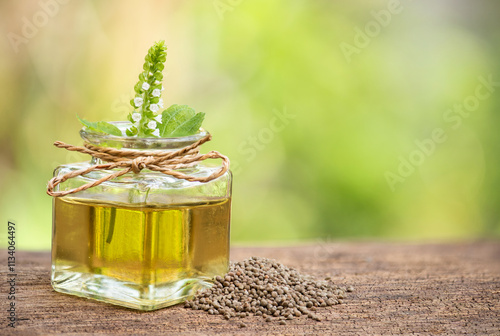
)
(132, 160)
(140, 163)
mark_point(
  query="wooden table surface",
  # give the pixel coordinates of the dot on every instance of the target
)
(438, 289)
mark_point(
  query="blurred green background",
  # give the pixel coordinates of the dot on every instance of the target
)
(343, 120)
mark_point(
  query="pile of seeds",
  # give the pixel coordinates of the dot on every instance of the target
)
(264, 287)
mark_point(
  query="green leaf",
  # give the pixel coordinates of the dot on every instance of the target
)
(101, 126)
(180, 120)
(131, 131)
(174, 116)
(138, 88)
(191, 126)
(149, 114)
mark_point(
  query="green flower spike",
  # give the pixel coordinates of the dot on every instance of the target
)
(148, 89)
(176, 121)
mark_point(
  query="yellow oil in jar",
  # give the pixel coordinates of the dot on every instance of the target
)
(144, 248)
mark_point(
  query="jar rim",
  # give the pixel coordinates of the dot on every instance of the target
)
(133, 142)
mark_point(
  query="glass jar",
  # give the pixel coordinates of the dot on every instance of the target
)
(143, 241)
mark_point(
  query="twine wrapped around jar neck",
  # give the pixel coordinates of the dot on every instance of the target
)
(132, 160)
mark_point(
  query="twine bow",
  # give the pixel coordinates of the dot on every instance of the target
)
(132, 160)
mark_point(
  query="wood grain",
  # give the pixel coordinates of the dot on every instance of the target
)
(435, 289)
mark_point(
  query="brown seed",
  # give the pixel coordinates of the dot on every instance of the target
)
(282, 322)
(242, 325)
(264, 287)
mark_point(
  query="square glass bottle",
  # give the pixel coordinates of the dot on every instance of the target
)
(143, 241)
